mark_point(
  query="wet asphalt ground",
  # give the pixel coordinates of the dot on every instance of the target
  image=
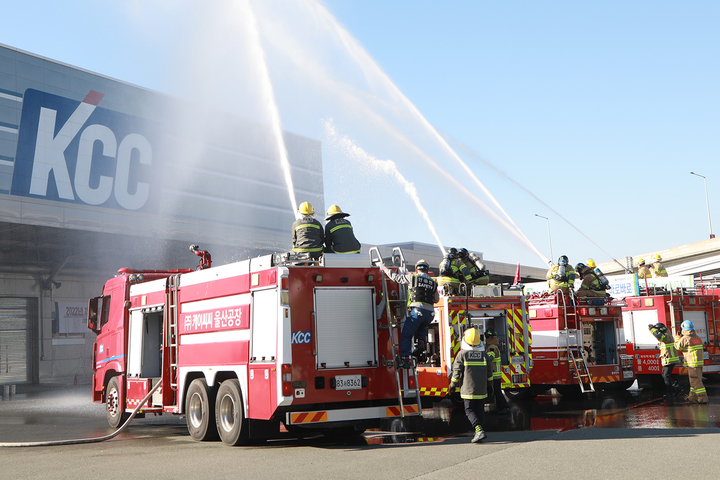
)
(629, 434)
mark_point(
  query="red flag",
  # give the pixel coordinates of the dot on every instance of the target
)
(517, 275)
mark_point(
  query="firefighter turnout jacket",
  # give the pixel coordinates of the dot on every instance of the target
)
(590, 286)
(668, 353)
(493, 352)
(691, 347)
(472, 370)
(339, 235)
(307, 235)
(658, 270)
(564, 281)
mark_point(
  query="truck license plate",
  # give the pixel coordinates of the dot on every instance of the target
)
(348, 382)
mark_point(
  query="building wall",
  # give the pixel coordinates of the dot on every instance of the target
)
(97, 174)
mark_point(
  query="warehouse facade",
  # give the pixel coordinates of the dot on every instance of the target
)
(97, 174)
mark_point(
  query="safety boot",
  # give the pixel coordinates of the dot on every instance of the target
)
(479, 436)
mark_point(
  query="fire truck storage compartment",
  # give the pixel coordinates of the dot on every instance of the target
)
(699, 320)
(636, 328)
(599, 343)
(345, 327)
(145, 339)
(264, 328)
(497, 320)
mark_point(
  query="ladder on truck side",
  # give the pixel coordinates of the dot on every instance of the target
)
(575, 348)
(406, 379)
(171, 332)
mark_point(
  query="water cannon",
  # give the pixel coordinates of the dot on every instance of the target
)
(205, 258)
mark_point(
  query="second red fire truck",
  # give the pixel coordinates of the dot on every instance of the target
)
(577, 346)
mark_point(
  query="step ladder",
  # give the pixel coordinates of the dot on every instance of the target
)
(406, 379)
(171, 332)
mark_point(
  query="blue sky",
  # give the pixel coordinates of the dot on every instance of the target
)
(599, 109)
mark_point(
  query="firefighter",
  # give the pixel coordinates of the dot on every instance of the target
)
(423, 293)
(590, 286)
(604, 282)
(668, 357)
(657, 268)
(339, 236)
(472, 371)
(643, 270)
(449, 274)
(691, 346)
(493, 350)
(561, 276)
(479, 274)
(307, 235)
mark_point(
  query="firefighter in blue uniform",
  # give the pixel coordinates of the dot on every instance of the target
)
(423, 291)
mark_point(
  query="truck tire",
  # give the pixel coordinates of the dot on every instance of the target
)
(114, 411)
(516, 393)
(200, 411)
(230, 414)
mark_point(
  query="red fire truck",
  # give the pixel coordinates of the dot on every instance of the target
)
(242, 348)
(670, 308)
(577, 345)
(495, 306)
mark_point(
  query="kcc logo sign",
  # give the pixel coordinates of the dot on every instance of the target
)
(77, 152)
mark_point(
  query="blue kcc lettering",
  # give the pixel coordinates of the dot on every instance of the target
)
(78, 152)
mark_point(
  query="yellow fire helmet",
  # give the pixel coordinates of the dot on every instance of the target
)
(641, 261)
(590, 263)
(657, 257)
(334, 209)
(472, 337)
(306, 209)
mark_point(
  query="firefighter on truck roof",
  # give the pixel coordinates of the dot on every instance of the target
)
(643, 269)
(339, 235)
(423, 293)
(307, 233)
(657, 268)
(472, 371)
(590, 286)
(561, 276)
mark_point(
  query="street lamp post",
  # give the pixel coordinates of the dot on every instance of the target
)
(549, 238)
(707, 201)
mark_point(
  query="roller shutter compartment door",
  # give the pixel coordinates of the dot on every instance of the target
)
(15, 339)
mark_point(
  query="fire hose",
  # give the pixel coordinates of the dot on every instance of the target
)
(88, 440)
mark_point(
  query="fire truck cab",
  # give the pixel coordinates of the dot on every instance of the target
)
(253, 348)
(578, 345)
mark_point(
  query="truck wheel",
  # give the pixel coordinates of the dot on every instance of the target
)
(516, 393)
(114, 411)
(200, 411)
(230, 413)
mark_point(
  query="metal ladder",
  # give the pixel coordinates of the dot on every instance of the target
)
(408, 377)
(171, 336)
(579, 364)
